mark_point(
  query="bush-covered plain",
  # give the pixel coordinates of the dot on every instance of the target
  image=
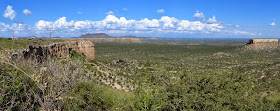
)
(155, 75)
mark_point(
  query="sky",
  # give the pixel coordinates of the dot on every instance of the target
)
(146, 18)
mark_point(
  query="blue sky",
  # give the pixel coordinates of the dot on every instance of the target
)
(150, 18)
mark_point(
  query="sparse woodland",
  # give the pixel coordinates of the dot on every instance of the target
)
(153, 75)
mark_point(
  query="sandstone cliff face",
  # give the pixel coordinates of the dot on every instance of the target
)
(62, 49)
(262, 46)
(87, 48)
(255, 41)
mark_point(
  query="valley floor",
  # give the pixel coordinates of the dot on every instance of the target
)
(153, 75)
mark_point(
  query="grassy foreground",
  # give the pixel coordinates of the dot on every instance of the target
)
(177, 75)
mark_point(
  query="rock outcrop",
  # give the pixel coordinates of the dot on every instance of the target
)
(36, 52)
(62, 49)
(262, 45)
(255, 41)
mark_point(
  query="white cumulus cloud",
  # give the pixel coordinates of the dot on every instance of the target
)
(198, 26)
(27, 12)
(110, 13)
(146, 24)
(211, 20)
(121, 25)
(272, 24)
(238, 32)
(15, 26)
(4, 27)
(199, 15)
(160, 11)
(79, 12)
(168, 22)
(113, 24)
(10, 13)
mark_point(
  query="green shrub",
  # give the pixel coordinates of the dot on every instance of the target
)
(17, 90)
(97, 97)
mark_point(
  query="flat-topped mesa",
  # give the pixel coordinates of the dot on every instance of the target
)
(255, 41)
(262, 45)
(61, 49)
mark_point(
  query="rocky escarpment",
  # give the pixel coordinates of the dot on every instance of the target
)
(262, 45)
(258, 41)
(62, 49)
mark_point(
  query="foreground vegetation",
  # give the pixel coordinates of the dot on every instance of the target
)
(163, 75)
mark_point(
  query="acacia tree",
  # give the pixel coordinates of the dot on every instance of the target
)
(50, 29)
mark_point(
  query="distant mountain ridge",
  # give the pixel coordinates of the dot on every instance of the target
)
(104, 35)
(97, 35)
(103, 38)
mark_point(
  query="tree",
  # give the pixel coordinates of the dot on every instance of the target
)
(50, 28)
